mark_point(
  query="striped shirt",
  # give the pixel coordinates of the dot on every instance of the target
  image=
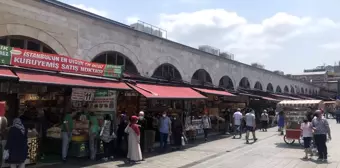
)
(321, 126)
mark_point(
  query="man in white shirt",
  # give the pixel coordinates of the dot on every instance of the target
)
(251, 125)
(237, 117)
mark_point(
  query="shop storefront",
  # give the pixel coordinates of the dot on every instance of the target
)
(176, 100)
(214, 105)
(41, 87)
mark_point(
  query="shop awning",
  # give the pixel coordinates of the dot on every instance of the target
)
(299, 103)
(285, 97)
(214, 92)
(166, 92)
(55, 79)
(7, 73)
(259, 97)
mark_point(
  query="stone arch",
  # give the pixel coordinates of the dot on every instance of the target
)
(278, 89)
(165, 60)
(201, 76)
(13, 29)
(116, 58)
(306, 91)
(113, 47)
(292, 90)
(270, 88)
(258, 86)
(302, 91)
(310, 91)
(226, 82)
(26, 43)
(286, 89)
(244, 83)
(167, 71)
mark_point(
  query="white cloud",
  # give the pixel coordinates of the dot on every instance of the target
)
(132, 19)
(331, 46)
(92, 10)
(230, 32)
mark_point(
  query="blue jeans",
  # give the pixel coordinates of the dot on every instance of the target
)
(66, 139)
(163, 139)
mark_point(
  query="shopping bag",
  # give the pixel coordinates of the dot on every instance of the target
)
(5, 155)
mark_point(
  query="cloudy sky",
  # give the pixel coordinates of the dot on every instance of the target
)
(287, 35)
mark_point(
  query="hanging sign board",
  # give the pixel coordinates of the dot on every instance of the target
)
(104, 101)
(82, 94)
(54, 62)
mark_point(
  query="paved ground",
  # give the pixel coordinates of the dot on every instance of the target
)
(270, 151)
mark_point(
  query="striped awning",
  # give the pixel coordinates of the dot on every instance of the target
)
(299, 103)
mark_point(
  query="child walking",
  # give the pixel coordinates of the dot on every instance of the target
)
(307, 134)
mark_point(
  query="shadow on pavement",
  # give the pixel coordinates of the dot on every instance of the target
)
(291, 146)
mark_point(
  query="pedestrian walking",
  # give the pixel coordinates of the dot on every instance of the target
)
(206, 122)
(66, 134)
(107, 135)
(281, 122)
(264, 120)
(164, 130)
(142, 122)
(321, 130)
(250, 125)
(134, 151)
(337, 115)
(307, 134)
(16, 145)
(237, 117)
(93, 135)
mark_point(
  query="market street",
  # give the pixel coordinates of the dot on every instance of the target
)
(269, 151)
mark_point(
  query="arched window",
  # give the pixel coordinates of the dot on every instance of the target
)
(244, 83)
(286, 89)
(116, 58)
(278, 89)
(302, 91)
(167, 71)
(226, 82)
(292, 90)
(200, 77)
(258, 86)
(270, 88)
(26, 43)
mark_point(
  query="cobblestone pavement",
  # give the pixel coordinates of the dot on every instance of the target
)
(270, 151)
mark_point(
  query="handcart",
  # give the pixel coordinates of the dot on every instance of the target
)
(295, 111)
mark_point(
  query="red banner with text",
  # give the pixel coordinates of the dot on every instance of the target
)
(53, 62)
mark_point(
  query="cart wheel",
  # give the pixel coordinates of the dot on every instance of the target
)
(301, 141)
(288, 141)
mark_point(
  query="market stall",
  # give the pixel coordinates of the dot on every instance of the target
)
(295, 111)
(174, 99)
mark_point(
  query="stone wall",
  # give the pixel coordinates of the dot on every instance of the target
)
(80, 36)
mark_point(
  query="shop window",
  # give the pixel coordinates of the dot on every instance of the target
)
(33, 46)
(3, 41)
(18, 43)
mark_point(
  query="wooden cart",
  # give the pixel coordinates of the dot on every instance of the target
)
(295, 111)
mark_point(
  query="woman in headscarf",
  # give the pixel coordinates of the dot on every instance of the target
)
(17, 144)
(134, 151)
(122, 136)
